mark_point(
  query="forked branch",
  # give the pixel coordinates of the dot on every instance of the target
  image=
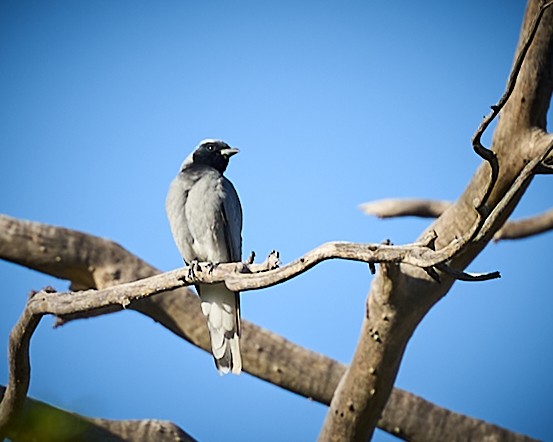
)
(268, 356)
(400, 296)
(237, 276)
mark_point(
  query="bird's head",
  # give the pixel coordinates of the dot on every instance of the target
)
(212, 153)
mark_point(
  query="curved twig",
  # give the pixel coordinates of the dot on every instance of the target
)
(488, 154)
(464, 276)
(237, 276)
(19, 370)
(411, 254)
(519, 184)
(482, 151)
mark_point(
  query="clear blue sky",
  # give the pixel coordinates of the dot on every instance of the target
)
(332, 104)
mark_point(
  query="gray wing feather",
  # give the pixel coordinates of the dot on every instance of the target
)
(232, 213)
(205, 217)
(175, 203)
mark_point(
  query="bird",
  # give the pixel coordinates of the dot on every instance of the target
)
(205, 216)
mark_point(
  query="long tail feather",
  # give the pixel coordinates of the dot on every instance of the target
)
(222, 310)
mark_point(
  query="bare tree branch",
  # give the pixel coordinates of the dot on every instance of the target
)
(526, 227)
(427, 208)
(437, 422)
(401, 295)
(391, 208)
(19, 370)
(35, 423)
(523, 48)
(82, 302)
(266, 355)
(393, 325)
(500, 211)
(96, 260)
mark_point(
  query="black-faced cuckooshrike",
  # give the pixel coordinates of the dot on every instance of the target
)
(206, 221)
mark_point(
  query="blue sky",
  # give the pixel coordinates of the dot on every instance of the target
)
(332, 104)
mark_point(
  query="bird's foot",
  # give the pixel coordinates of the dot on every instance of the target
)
(211, 266)
(193, 268)
(272, 262)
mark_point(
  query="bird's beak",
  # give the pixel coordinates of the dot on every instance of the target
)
(229, 152)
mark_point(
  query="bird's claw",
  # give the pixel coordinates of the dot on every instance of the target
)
(193, 267)
(211, 266)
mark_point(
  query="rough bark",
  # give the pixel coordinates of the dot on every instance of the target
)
(437, 422)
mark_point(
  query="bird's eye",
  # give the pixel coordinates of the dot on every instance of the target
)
(210, 147)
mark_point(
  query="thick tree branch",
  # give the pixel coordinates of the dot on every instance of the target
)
(531, 28)
(501, 210)
(437, 421)
(266, 355)
(388, 327)
(35, 424)
(401, 295)
(237, 276)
